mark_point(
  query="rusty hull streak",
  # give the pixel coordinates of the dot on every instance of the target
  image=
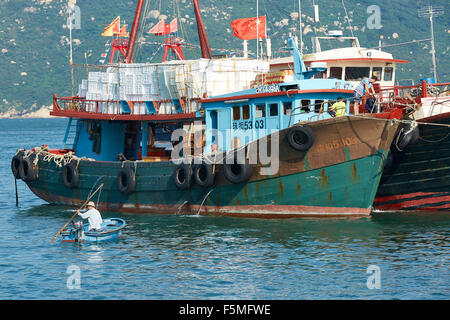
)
(291, 162)
(251, 211)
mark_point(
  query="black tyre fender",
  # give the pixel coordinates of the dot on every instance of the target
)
(300, 138)
(237, 172)
(126, 180)
(183, 176)
(406, 136)
(204, 175)
(70, 174)
(28, 171)
(392, 161)
(15, 165)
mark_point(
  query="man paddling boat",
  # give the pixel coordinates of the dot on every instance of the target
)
(93, 215)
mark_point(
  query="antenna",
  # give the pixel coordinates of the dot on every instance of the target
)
(300, 22)
(70, 9)
(430, 11)
(348, 18)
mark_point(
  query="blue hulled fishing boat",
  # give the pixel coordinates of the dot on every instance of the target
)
(111, 229)
(210, 155)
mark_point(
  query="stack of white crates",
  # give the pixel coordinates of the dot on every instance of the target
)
(165, 82)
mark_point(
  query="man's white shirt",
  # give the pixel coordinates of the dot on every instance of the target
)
(94, 218)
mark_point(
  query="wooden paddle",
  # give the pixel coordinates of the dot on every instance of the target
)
(76, 213)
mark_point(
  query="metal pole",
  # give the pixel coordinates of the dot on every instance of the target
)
(203, 38)
(69, 9)
(134, 31)
(257, 29)
(433, 51)
(300, 26)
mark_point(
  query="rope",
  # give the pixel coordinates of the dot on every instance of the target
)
(59, 159)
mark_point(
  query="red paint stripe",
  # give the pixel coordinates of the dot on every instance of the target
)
(414, 203)
(99, 116)
(359, 59)
(278, 93)
(404, 196)
(442, 116)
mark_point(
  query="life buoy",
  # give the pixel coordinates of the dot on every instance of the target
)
(300, 138)
(28, 171)
(15, 165)
(71, 176)
(408, 134)
(126, 180)
(183, 176)
(204, 175)
(237, 172)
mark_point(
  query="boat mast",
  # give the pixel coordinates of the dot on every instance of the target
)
(70, 8)
(431, 12)
(300, 25)
(134, 31)
(203, 38)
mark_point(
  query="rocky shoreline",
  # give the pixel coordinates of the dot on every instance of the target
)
(41, 113)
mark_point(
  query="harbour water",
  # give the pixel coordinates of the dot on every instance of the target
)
(386, 256)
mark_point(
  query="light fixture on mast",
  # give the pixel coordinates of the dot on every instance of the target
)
(430, 11)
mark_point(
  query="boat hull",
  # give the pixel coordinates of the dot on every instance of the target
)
(420, 177)
(337, 176)
(112, 230)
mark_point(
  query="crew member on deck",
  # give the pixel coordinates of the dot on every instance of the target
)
(93, 215)
(338, 108)
(365, 87)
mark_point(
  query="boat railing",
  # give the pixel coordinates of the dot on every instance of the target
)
(117, 107)
(77, 104)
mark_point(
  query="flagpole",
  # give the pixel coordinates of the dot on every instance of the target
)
(300, 27)
(257, 29)
(70, 45)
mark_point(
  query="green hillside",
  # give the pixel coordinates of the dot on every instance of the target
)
(34, 46)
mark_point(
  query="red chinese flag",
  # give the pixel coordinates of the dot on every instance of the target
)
(159, 29)
(245, 28)
(174, 25)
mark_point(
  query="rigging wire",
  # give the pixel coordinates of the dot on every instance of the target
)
(348, 19)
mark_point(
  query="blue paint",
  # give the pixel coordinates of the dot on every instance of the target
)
(150, 107)
(125, 107)
(111, 136)
(111, 229)
(246, 119)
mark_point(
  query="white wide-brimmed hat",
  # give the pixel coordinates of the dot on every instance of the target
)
(91, 204)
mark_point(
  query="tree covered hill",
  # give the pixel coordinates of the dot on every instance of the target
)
(34, 38)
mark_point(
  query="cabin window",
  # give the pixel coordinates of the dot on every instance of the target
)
(260, 111)
(356, 73)
(287, 108)
(273, 109)
(245, 112)
(320, 75)
(237, 113)
(376, 71)
(336, 73)
(388, 72)
(306, 105)
(318, 106)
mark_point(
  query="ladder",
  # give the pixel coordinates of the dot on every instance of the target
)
(72, 133)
